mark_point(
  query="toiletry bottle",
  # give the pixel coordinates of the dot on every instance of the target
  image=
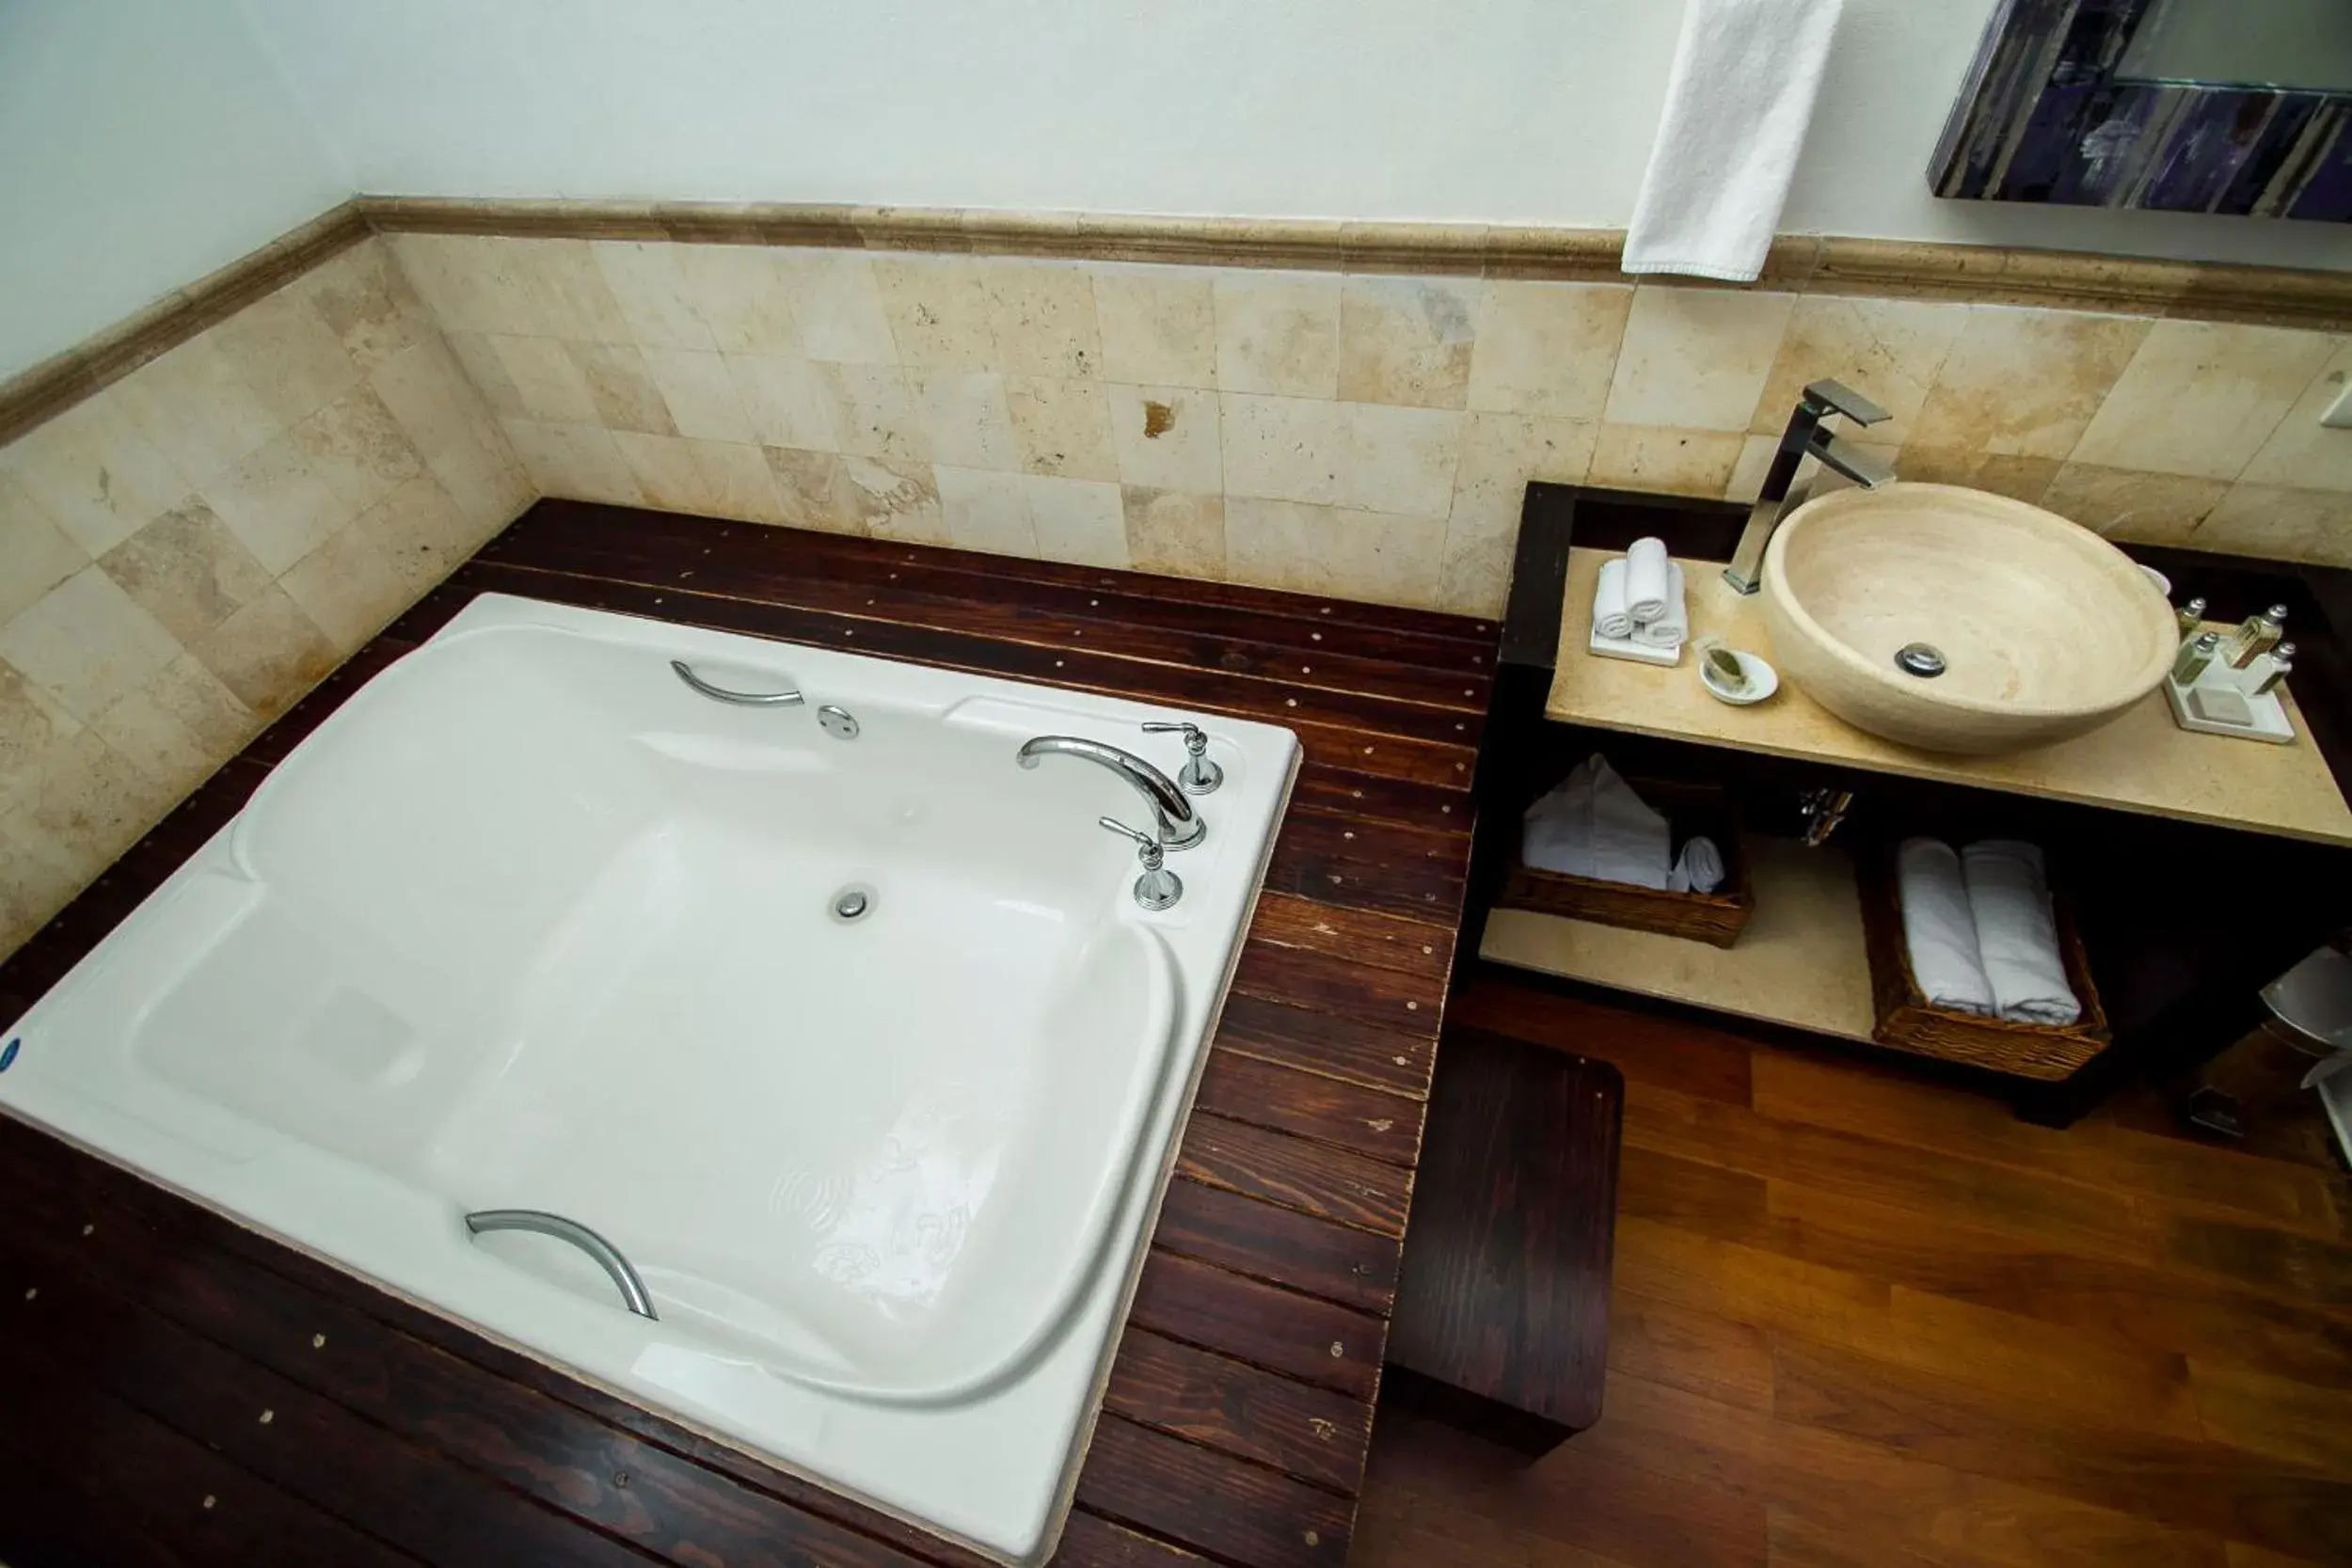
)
(2255, 635)
(2193, 657)
(2191, 616)
(2277, 668)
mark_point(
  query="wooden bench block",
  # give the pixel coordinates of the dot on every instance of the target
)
(1502, 1317)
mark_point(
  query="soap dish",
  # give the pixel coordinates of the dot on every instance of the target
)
(1763, 680)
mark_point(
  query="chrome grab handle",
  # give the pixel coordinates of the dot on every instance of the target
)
(742, 699)
(608, 1257)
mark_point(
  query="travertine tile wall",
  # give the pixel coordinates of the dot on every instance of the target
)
(1358, 435)
(185, 553)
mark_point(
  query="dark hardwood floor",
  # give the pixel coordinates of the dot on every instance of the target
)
(1864, 1322)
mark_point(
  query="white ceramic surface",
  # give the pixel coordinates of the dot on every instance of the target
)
(2046, 629)
(1762, 679)
(527, 924)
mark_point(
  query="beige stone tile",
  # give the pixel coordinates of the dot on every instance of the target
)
(547, 379)
(736, 481)
(1682, 462)
(1177, 532)
(1889, 350)
(789, 403)
(187, 570)
(1077, 520)
(428, 395)
(964, 418)
(740, 292)
(939, 314)
(1400, 461)
(984, 510)
(87, 644)
(891, 499)
(1158, 325)
(381, 564)
(35, 554)
(1326, 549)
(37, 878)
(2200, 398)
(622, 389)
(283, 350)
(1278, 332)
(356, 449)
(1042, 316)
(579, 462)
(484, 478)
(471, 282)
(367, 305)
(837, 307)
(275, 505)
(2005, 474)
(1408, 341)
(878, 412)
(1548, 348)
(559, 291)
(651, 293)
(2023, 383)
(2302, 453)
(1755, 466)
(1482, 534)
(1695, 358)
(90, 802)
(1283, 448)
(32, 725)
(178, 727)
(665, 470)
(478, 355)
(1167, 438)
(93, 474)
(2270, 521)
(195, 409)
(2148, 509)
(812, 490)
(1512, 448)
(700, 394)
(1062, 427)
(268, 652)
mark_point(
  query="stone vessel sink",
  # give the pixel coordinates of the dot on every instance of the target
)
(2042, 629)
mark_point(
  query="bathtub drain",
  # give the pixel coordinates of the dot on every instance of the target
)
(852, 903)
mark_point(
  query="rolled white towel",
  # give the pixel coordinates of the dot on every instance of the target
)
(1938, 929)
(1671, 628)
(1648, 581)
(1699, 869)
(1610, 618)
(2016, 933)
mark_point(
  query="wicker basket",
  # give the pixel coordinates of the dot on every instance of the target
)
(1695, 810)
(1907, 1022)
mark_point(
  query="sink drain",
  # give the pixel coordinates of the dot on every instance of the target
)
(1918, 658)
(852, 903)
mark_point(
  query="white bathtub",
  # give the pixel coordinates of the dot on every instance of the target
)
(528, 923)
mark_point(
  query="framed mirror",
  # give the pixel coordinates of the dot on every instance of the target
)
(2180, 105)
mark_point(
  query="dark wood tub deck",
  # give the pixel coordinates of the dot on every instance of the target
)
(177, 1389)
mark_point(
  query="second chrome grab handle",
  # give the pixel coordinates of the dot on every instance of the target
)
(608, 1257)
(742, 699)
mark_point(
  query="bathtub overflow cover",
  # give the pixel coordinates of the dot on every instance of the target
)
(1918, 658)
(851, 903)
(837, 723)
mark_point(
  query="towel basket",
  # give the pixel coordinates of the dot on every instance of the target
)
(1693, 810)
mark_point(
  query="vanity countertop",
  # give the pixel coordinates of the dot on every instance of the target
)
(2142, 762)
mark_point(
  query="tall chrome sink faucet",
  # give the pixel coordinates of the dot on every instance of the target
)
(1804, 437)
(1178, 825)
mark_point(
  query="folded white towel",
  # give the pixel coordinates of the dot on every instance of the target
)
(1737, 101)
(1648, 578)
(1610, 618)
(1670, 626)
(2016, 933)
(1593, 824)
(1938, 928)
(1699, 869)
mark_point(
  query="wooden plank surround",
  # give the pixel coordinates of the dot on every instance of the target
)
(175, 1389)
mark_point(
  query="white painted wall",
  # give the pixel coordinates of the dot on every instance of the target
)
(1515, 110)
(143, 143)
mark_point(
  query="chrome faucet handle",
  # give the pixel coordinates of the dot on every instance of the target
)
(1158, 887)
(1200, 776)
(1829, 396)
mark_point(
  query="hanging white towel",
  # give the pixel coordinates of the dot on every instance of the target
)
(1610, 617)
(1737, 101)
(1648, 579)
(1671, 628)
(1593, 824)
(1699, 869)
(2016, 933)
(1938, 928)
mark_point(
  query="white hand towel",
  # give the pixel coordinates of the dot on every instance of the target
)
(1610, 618)
(1648, 578)
(1938, 928)
(1737, 101)
(1593, 824)
(1670, 626)
(2016, 933)
(1699, 869)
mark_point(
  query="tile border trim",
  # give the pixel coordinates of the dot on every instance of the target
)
(1823, 264)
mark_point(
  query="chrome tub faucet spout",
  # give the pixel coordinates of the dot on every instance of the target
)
(1177, 824)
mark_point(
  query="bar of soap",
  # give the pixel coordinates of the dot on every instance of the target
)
(2220, 705)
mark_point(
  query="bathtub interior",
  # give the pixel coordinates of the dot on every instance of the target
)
(580, 954)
